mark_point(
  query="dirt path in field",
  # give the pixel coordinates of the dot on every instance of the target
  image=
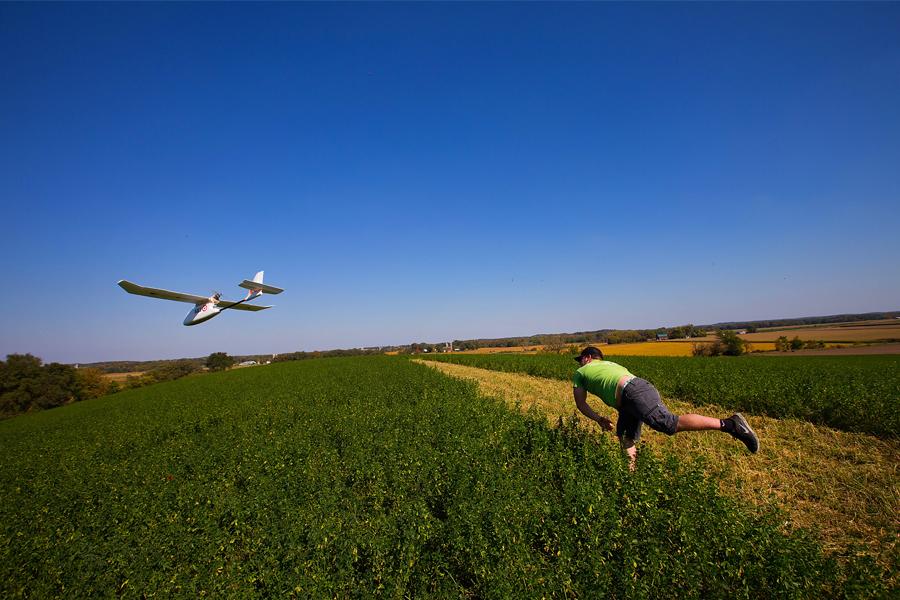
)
(846, 486)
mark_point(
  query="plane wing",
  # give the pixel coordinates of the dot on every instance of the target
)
(223, 304)
(133, 288)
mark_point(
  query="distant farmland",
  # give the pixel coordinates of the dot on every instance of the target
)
(122, 377)
(668, 348)
(882, 331)
(865, 332)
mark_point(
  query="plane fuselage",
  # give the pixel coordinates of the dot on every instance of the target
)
(202, 313)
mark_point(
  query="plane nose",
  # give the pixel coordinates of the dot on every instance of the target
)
(189, 319)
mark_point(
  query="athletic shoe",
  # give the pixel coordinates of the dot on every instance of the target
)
(743, 432)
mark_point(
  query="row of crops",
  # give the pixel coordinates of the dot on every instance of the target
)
(369, 477)
(853, 393)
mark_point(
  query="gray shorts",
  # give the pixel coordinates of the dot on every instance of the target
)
(641, 404)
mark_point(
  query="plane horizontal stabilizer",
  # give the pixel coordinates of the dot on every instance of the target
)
(254, 285)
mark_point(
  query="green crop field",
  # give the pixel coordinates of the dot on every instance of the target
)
(853, 393)
(371, 477)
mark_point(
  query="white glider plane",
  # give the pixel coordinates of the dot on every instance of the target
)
(207, 308)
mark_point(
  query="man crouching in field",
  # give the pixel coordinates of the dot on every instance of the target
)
(637, 401)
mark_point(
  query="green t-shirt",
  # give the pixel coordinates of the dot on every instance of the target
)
(600, 377)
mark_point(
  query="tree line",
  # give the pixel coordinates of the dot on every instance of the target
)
(625, 336)
(559, 341)
(845, 318)
(782, 344)
(288, 356)
(29, 385)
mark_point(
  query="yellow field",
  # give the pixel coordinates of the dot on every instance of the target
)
(673, 348)
(120, 377)
(499, 349)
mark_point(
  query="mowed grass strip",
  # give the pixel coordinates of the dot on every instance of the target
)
(845, 486)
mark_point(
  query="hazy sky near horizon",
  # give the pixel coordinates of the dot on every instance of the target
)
(428, 172)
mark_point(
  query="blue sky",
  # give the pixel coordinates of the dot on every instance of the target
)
(425, 172)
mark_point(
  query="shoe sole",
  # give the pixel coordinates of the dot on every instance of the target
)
(739, 418)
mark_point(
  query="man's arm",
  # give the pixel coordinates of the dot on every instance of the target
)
(581, 402)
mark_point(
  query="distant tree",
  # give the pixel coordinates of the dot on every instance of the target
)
(19, 375)
(136, 381)
(173, 370)
(218, 361)
(727, 343)
(626, 336)
(685, 331)
(554, 344)
(694, 331)
(18, 368)
(712, 349)
(751, 329)
(57, 386)
(796, 343)
(93, 384)
(732, 343)
(782, 344)
(26, 385)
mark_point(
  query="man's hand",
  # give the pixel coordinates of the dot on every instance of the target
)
(586, 410)
(605, 423)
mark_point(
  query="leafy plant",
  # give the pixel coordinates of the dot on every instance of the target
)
(219, 361)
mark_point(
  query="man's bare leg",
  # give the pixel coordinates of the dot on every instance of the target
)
(694, 422)
(735, 425)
